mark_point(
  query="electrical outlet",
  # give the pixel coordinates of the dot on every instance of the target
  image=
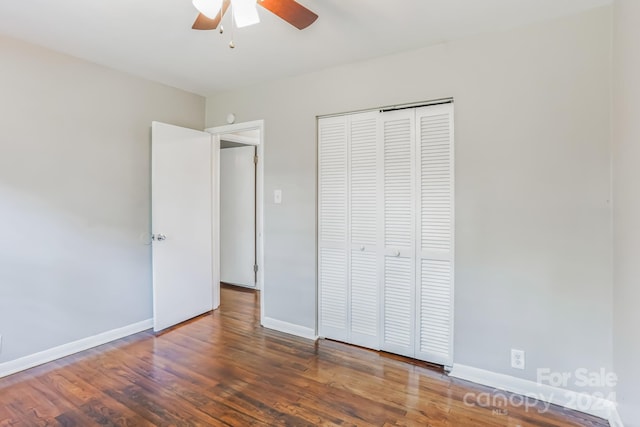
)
(517, 358)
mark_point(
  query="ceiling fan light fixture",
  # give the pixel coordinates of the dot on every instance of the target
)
(245, 12)
(209, 8)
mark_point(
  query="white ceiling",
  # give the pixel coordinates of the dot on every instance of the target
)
(154, 39)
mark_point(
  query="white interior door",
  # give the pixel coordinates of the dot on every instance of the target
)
(181, 223)
(238, 216)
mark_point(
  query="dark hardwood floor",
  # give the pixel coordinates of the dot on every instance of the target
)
(224, 369)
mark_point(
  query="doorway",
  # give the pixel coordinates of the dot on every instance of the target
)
(238, 248)
(240, 142)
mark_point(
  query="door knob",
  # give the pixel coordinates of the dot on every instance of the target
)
(362, 248)
(397, 252)
(160, 237)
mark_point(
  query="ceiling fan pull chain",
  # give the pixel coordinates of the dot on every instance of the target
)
(232, 45)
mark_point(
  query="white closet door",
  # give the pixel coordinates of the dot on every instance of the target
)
(332, 220)
(386, 231)
(363, 215)
(397, 131)
(434, 129)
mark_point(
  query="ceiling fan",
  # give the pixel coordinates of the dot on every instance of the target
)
(245, 13)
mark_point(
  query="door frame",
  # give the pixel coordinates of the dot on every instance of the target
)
(217, 132)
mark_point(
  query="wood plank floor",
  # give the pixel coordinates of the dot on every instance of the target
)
(224, 369)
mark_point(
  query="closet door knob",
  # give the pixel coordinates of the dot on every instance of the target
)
(397, 252)
(362, 248)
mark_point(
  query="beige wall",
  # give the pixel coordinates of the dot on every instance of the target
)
(75, 195)
(626, 196)
(533, 228)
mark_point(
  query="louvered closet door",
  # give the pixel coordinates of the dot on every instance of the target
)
(397, 131)
(332, 228)
(363, 196)
(434, 129)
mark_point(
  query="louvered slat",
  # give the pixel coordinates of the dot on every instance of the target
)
(332, 224)
(333, 181)
(363, 196)
(435, 163)
(364, 186)
(435, 310)
(364, 298)
(398, 188)
(398, 299)
(435, 287)
(333, 290)
(398, 226)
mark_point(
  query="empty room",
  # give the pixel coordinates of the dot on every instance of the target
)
(306, 212)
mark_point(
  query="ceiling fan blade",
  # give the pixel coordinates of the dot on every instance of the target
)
(291, 11)
(204, 23)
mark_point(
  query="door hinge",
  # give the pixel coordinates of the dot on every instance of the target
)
(255, 268)
(255, 159)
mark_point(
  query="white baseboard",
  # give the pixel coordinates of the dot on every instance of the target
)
(289, 328)
(582, 402)
(32, 360)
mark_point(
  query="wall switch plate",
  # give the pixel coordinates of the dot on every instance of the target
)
(517, 358)
(277, 197)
